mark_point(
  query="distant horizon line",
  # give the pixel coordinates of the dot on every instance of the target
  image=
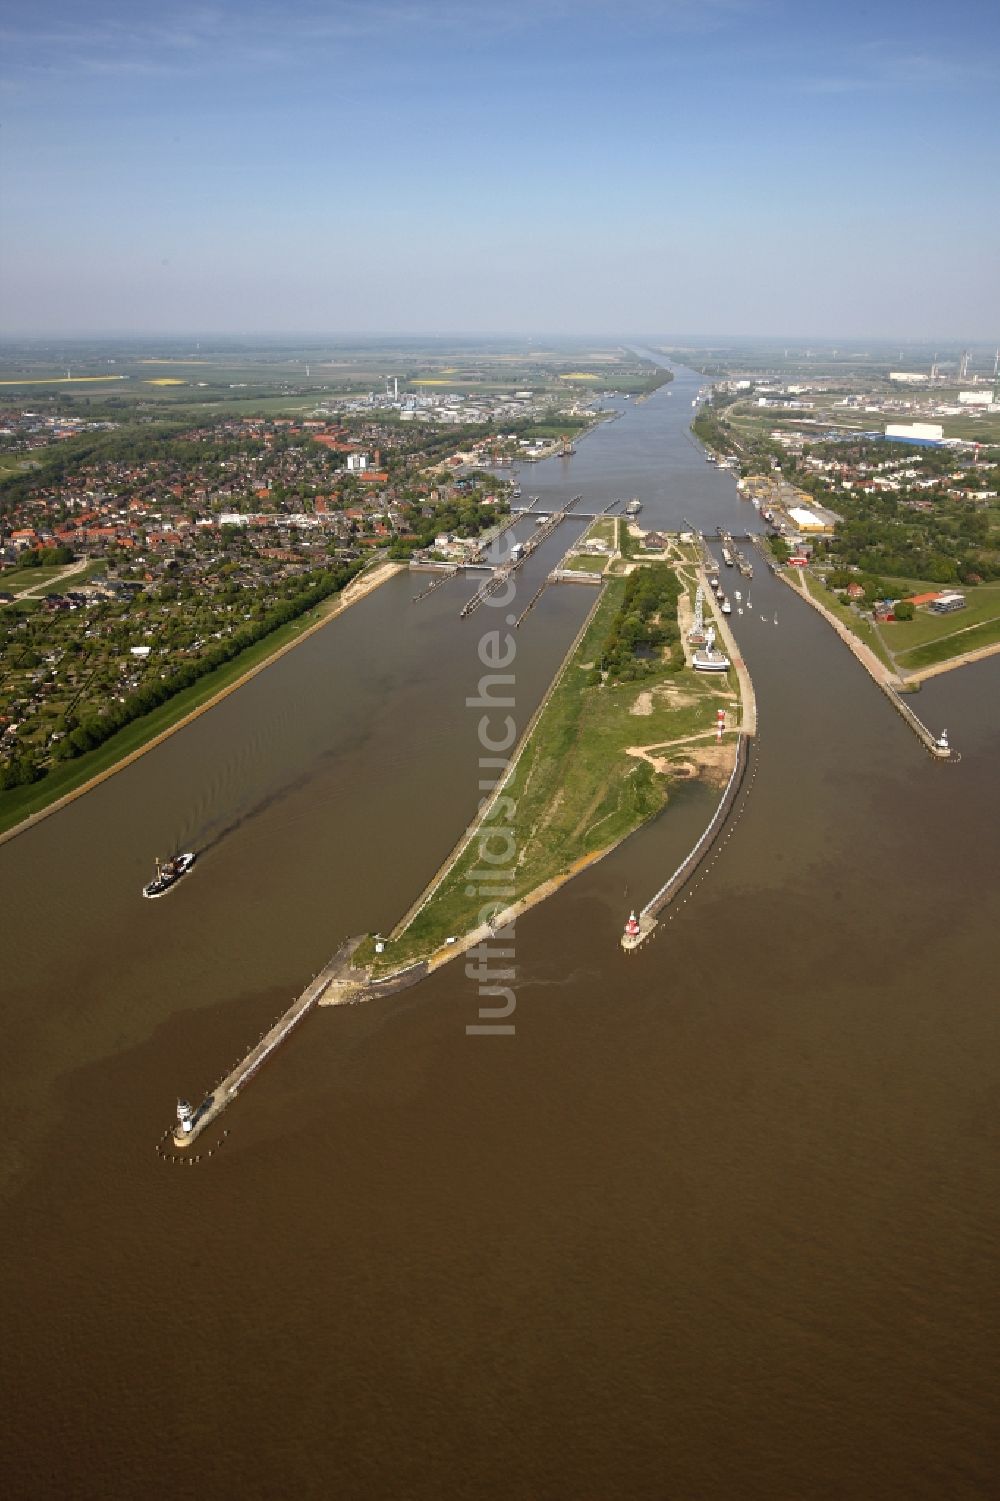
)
(198, 335)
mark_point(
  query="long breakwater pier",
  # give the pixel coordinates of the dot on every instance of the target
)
(338, 983)
(651, 912)
(937, 746)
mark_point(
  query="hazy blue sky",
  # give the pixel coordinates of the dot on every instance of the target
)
(601, 166)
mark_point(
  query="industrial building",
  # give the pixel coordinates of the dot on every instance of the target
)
(808, 521)
(924, 433)
(950, 600)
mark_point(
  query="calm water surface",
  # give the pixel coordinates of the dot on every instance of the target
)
(720, 1221)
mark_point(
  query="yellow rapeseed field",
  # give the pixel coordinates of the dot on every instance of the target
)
(165, 380)
(578, 375)
(61, 380)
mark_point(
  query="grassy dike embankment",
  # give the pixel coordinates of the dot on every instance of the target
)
(23, 807)
(597, 764)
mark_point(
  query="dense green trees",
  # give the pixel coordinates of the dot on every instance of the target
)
(46, 557)
(465, 515)
(19, 773)
(646, 621)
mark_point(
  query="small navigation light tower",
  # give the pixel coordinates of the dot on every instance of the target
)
(185, 1116)
(379, 944)
(942, 741)
(632, 927)
(720, 722)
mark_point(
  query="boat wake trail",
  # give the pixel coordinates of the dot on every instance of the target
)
(573, 978)
(212, 838)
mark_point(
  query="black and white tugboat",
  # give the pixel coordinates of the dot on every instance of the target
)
(168, 874)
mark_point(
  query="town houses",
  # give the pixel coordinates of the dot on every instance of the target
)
(144, 558)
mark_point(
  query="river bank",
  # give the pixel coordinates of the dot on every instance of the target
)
(877, 669)
(914, 679)
(153, 729)
(872, 664)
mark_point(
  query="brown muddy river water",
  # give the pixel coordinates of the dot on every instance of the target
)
(719, 1221)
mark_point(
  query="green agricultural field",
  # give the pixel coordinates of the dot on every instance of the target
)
(984, 428)
(574, 790)
(16, 463)
(928, 639)
(946, 647)
(983, 604)
(75, 580)
(27, 578)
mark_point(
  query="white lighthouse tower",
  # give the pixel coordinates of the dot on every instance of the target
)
(185, 1116)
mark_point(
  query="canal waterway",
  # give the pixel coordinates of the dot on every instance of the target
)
(719, 1221)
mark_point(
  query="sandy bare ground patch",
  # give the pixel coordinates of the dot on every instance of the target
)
(702, 755)
(676, 698)
(685, 619)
